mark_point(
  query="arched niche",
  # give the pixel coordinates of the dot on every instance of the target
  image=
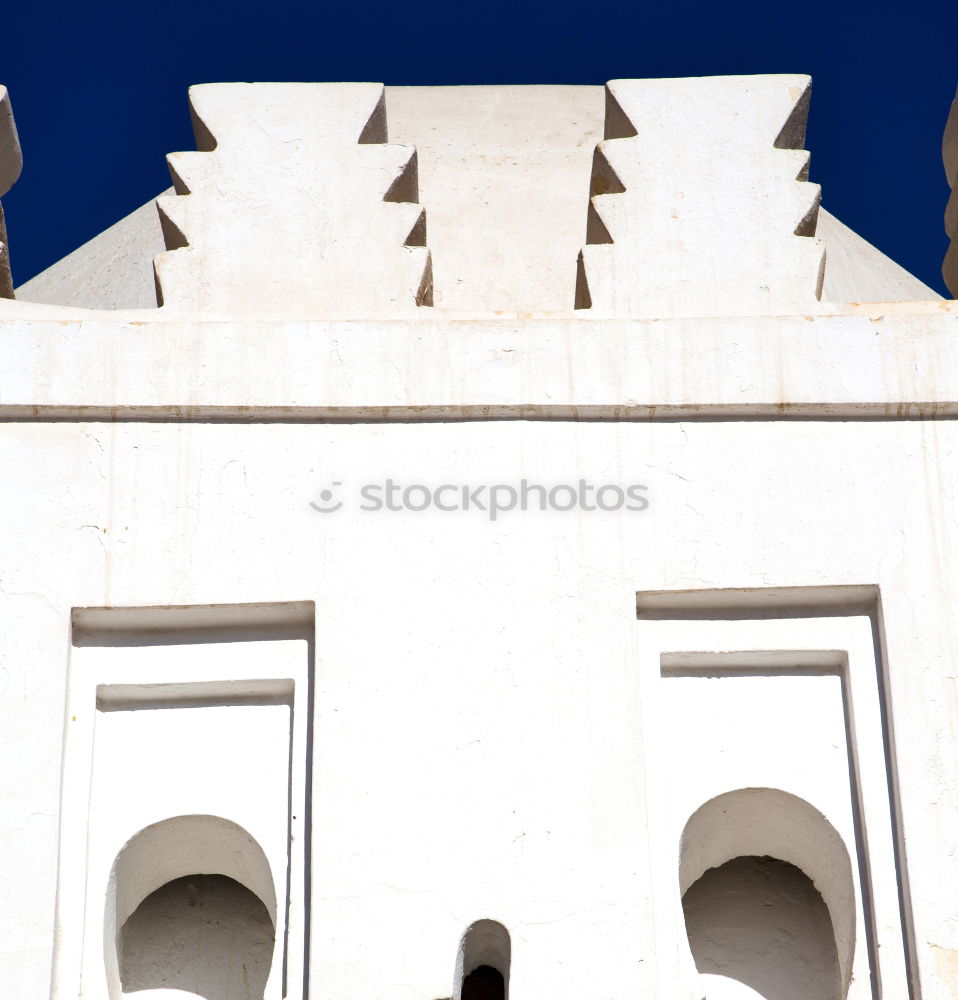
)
(169, 850)
(483, 962)
(767, 824)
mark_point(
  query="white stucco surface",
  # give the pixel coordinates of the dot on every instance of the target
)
(114, 270)
(855, 271)
(528, 674)
(680, 221)
(504, 176)
(295, 204)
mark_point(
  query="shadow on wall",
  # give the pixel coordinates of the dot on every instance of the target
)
(758, 927)
(203, 934)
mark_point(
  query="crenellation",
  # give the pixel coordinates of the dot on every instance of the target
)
(710, 211)
(949, 150)
(503, 170)
(300, 207)
(11, 163)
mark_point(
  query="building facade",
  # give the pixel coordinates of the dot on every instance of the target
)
(463, 542)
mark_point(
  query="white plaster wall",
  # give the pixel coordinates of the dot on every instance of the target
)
(504, 176)
(114, 270)
(478, 737)
(855, 271)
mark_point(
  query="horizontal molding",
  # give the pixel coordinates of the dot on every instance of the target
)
(190, 624)
(895, 366)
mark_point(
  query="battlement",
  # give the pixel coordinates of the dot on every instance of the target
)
(11, 163)
(949, 150)
(652, 199)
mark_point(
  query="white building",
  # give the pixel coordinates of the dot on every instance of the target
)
(519, 555)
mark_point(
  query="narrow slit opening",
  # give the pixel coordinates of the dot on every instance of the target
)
(483, 962)
(484, 983)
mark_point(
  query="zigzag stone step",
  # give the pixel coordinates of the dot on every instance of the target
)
(700, 204)
(294, 206)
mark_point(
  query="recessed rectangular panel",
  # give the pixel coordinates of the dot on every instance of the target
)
(750, 727)
(763, 712)
(185, 758)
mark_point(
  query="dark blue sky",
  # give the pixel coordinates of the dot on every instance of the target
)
(99, 89)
